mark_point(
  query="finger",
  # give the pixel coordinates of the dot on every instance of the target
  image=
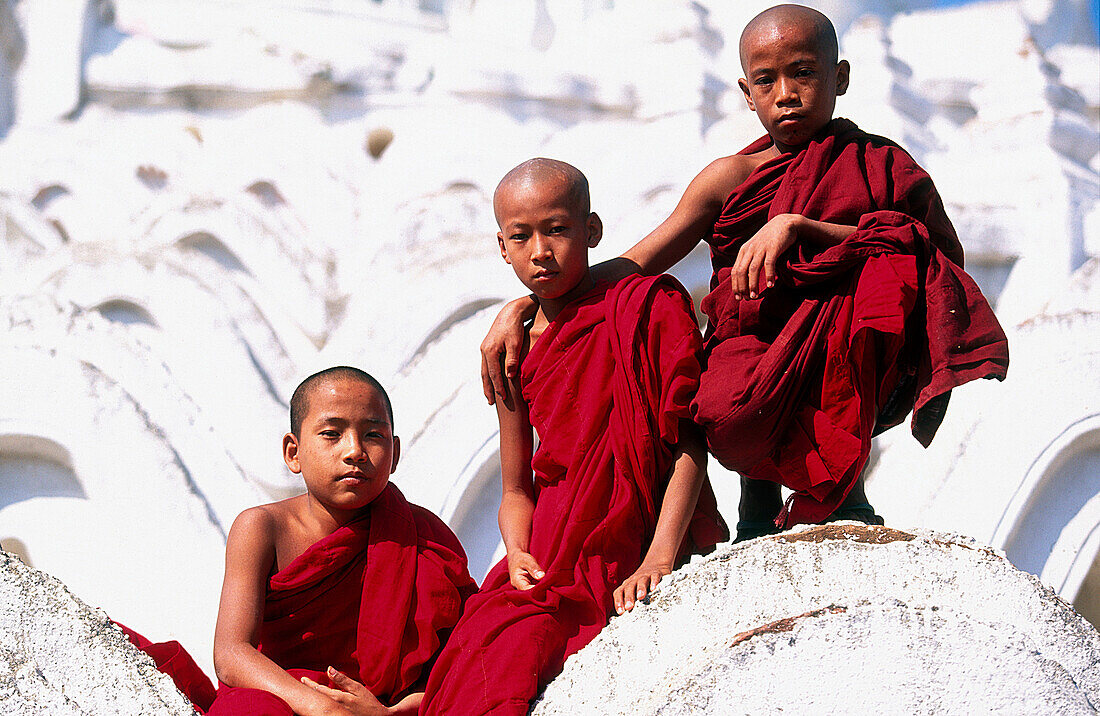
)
(769, 271)
(512, 346)
(487, 381)
(617, 596)
(630, 595)
(740, 273)
(327, 691)
(641, 590)
(496, 380)
(345, 682)
(754, 275)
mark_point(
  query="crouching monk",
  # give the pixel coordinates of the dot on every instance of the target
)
(838, 300)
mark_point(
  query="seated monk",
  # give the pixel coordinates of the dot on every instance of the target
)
(616, 494)
(336, 601)
(838, 301)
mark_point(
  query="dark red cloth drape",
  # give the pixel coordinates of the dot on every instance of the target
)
(854, 336)
(607, 384)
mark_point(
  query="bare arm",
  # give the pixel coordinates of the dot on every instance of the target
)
(677, 507)
(517, 500)
(249, 556)
(686, 226)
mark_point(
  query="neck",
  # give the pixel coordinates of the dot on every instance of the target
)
(551, 307)
(328, 519)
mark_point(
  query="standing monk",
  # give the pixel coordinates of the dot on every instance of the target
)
(838, 301)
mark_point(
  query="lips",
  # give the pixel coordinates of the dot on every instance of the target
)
(544, 275)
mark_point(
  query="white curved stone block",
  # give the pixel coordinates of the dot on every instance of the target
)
(840, 618)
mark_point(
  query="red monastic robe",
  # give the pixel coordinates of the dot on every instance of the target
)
(853, 337)
(375, 599)
(606, 384)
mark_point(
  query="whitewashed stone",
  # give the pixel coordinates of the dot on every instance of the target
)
(61, 657)
(838, 619)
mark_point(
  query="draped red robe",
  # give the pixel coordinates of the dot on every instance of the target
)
(606, 384)
(375, 599)
(854, 336)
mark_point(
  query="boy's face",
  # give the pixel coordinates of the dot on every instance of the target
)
(790, 82)
(545, 236)
(346, 449)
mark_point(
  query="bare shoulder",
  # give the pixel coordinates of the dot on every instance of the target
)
(254, 524)
(260, 524)
(719, 178)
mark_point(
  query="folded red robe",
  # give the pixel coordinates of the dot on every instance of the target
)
(853, 337)
(375, 599)
(607, 384)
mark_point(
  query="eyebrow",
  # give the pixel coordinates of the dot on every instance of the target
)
(338, 420)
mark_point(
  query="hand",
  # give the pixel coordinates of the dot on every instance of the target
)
(638, 585)
(501, 347)
(523, 571)
(351, 696)
(761, 253)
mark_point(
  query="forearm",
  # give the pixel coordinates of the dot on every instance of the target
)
(242, 665)
(681, 495)
(820, 233)
(516, 511)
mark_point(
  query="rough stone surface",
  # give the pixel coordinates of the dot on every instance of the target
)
(843, 618)
(61, 657)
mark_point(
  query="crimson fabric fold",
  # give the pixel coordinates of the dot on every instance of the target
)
(607, 384)
(172, 659)
(376, 599)
(854, 336)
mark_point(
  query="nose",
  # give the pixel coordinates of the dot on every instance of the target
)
(542, 250)
(788, 91)
(353, 450)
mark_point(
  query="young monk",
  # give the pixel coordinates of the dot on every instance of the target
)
(618, 492)
(336, 601)
(838, 301)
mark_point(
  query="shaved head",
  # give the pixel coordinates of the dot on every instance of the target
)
(299, 402)
(775, 20)
(541, 170)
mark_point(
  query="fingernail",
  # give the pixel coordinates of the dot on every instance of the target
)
(752, 294)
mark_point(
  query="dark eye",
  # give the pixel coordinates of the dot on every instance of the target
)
(763, 81)
(330, 434)
(374, 435)
(518, 237)
(557, 229)
(805, 72)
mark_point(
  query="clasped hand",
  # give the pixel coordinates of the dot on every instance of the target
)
(351, 697)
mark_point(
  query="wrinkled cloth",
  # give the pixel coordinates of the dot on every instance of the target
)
(853, 337)
(606, 384)
(376, 599)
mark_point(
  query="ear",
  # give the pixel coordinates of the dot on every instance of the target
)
(744, 85)
(843, 71)
(396, 453)
(290, 453)
(503, 250)
(595, 229)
